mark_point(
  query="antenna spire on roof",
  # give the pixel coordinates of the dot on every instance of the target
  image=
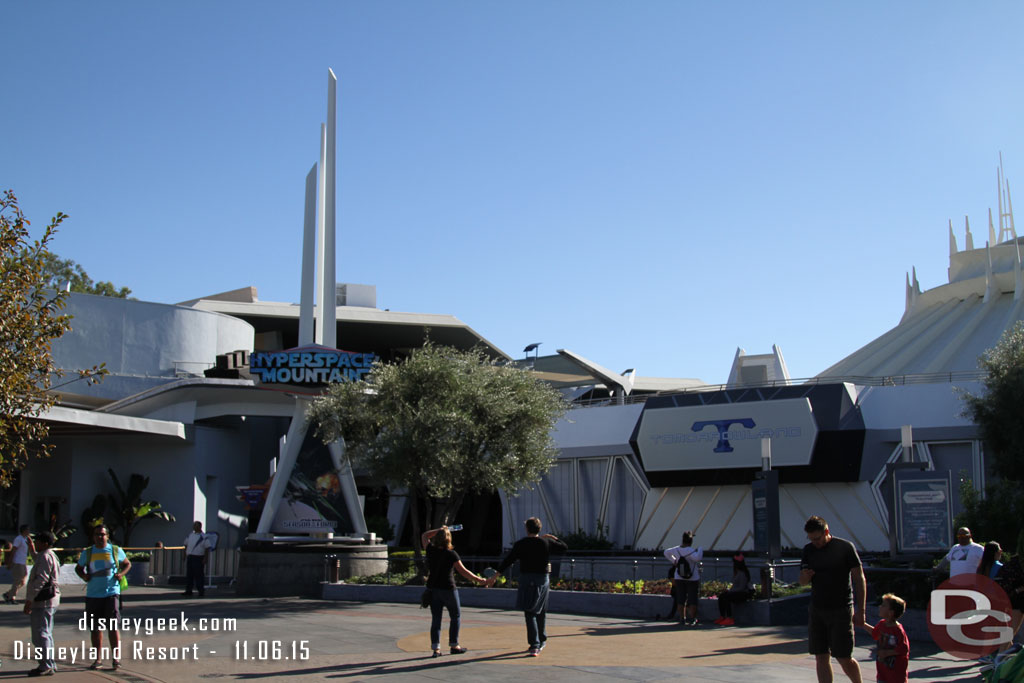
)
(1007, 229)
(952, 239)
(1018, 279)
(990, 278)
(969, 239)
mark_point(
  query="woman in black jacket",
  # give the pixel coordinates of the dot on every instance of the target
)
(442, 560)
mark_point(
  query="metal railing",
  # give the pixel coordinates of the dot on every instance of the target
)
(167, 562)
(861, 380)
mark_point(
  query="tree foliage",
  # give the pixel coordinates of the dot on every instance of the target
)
(30, 319)
(996, 516)
(443, 423)
(60, 272)
(997, 411)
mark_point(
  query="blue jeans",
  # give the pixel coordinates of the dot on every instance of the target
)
(450, 599)
(533, 600)
(535, 628)
(41, 620)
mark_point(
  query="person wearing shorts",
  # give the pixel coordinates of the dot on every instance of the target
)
(686, 582)
(17, 562)
(102, 567)
(832, 567)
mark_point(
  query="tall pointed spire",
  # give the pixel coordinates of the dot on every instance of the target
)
(308, 262)
(321, 199)
(991, 289)
(1007, 230)
(330, 325)
(952, 239)
(1018, 280)
(969, 239)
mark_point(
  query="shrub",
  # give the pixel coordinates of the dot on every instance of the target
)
(584, 540)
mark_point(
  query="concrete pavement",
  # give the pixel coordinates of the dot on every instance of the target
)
(304, 639)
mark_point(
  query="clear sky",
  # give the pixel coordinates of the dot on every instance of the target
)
(649, 184)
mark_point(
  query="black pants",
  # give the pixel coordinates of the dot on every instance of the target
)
(729, 598)
(194, 574)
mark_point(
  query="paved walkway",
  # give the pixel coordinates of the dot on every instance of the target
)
(364, 642)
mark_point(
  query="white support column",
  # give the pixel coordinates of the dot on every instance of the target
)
(308, 261)
(348, 485)
(296, 434)
(320, 236)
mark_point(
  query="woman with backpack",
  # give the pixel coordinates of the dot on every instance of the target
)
(686, 580)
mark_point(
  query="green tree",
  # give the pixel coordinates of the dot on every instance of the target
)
(994, 517)
(443, 423)
(126, 507)
(30, 319)
(997, 411)
(59, 272)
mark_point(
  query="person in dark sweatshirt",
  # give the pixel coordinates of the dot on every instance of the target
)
(534, 556)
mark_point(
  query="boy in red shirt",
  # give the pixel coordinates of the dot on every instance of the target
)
(893, 655)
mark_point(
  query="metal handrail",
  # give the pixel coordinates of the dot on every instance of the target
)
(862, 380)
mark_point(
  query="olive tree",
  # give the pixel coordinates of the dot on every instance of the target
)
(443, 423)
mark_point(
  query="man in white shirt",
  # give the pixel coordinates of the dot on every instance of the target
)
(965, 556)
(196, 547)
(17, 562)
(687, 578)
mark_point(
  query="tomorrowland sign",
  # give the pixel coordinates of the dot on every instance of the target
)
(725, 436)
(313, 364)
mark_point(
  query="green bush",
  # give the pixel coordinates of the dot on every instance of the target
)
(401, 561)
(584, 540)
(380, 525)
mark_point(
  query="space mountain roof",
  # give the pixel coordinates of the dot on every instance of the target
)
(947, 328)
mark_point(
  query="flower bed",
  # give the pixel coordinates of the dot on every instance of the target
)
(708, 589)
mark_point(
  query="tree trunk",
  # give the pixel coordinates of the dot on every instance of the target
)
(451, 507)
(414, 511)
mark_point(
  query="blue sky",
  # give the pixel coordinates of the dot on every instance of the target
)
(647, 184)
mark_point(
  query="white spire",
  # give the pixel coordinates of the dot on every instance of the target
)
(329, 321)
(969, 239)
(990, 279)
(912, 292)
(1018, 280)
(952, 238)
(321, 295)
(308, 262)
(1007, 230)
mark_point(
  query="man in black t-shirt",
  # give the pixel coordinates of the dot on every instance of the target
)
(533, 554)
(832, 567)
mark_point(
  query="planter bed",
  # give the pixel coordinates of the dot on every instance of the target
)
(780, 611)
